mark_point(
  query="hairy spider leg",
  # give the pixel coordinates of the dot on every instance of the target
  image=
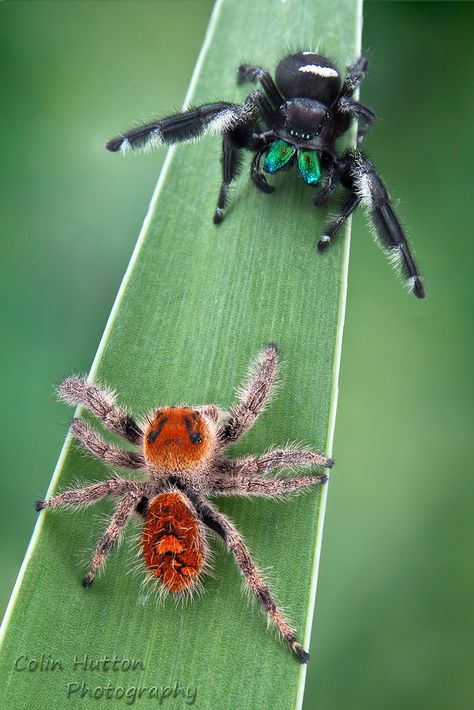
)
(172, 542)
(365, 187)
(258, 99)
(110, 453)
(76, 497)
(231, 165)
(256, 174)
(125, 509)
(241, 476)
(374, 196)
(245, 134)
(364, 115)
(355, 75)
(101, 403)
(216, 117)
(252, 397)
(346, 104)
(255, 485)
(349, 205)
(247, 72)
(234, 542)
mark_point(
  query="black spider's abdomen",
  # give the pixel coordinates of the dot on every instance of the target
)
(308, 75)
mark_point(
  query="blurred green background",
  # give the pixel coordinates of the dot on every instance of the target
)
(394, 611)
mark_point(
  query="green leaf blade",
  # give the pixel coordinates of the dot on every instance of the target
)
(196, 305)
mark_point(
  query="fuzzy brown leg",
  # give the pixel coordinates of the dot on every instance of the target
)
(110, 453)
(253, 485)
(91, 494)
(101, 402)
(283, 458)
(226, 472)
(235, 544)
(117, 523)
(253, 396)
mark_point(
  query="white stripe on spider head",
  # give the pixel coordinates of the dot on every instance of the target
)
(319, 71)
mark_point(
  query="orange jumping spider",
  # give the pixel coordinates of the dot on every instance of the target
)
(182, 452)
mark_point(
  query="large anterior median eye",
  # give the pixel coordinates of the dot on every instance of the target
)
(278, 156)
(309, 167)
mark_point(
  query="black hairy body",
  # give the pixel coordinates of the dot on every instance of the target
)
(295, 120)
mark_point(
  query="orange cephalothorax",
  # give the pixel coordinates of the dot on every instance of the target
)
(172, 542)
(177, 439)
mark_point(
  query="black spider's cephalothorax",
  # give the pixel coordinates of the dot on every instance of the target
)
(303, 112)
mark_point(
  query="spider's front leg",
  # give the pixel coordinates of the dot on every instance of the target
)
(236, 122)
(365, 117)
(124, 510)
(247, 72)
(101, 403)
(217, 117)
(253, 396)
(235, 544)
(347, 104)
(355, 75)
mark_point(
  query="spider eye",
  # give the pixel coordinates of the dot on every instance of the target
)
(194, 436)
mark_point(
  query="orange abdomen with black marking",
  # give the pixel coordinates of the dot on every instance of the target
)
(172, 543)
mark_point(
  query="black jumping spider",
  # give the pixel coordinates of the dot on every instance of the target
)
(304, 111)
